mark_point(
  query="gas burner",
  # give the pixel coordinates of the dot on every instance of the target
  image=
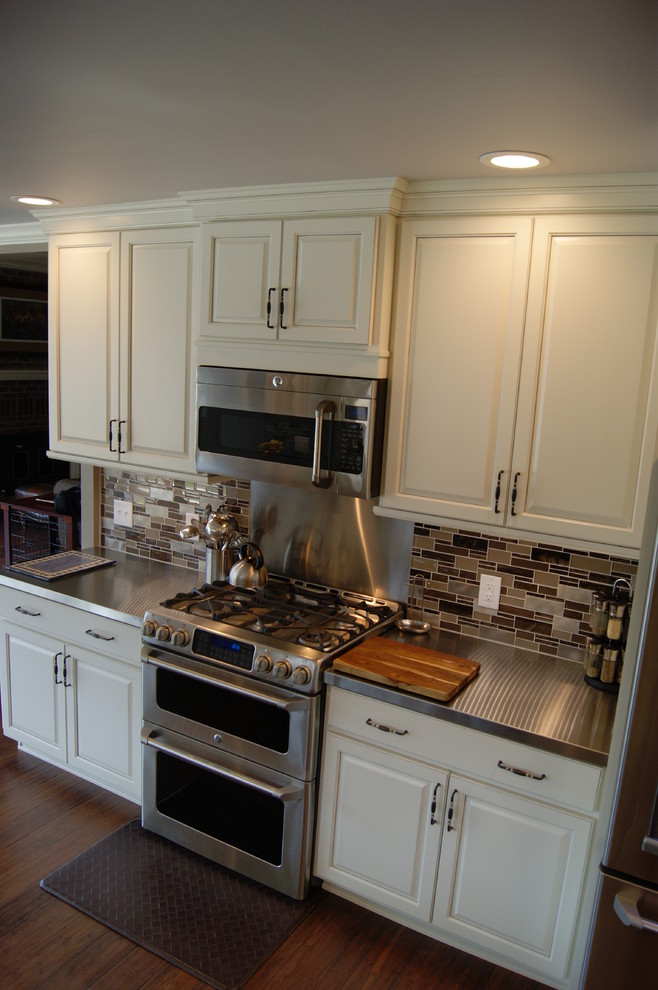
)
(324, 640)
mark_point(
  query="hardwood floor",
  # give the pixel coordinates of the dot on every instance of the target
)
(48, 816)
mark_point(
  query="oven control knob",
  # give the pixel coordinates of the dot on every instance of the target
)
(163, 634)
(282, 669)
(263, 663)
(149, 627)
(302, 675)
(180, 638)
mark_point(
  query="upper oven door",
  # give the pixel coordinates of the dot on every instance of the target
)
(308, 431)
(263, 723)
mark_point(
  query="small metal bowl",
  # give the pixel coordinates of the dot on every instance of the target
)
(413, 626)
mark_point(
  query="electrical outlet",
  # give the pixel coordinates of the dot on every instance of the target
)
(489, 596)
(123, 512)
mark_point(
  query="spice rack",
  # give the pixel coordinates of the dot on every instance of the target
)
(604, 646)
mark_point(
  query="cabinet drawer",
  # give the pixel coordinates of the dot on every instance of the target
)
(117, 639)
(523, 769)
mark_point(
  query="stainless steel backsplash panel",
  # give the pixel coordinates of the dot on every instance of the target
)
(331, 539)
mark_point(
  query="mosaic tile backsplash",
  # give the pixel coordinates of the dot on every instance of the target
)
(546, 589)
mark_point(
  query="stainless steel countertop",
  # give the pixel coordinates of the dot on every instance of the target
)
(530, 698)
(533, 699)
(123, 591)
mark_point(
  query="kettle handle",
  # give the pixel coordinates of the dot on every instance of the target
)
(248, 549)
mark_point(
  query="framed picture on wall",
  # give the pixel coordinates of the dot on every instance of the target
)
(23, 320)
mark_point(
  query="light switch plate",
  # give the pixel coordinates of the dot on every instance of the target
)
(123, 512)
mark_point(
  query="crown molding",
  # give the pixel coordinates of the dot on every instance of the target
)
(362, 196)
(534, 194)
(15, 235)
(114, 216)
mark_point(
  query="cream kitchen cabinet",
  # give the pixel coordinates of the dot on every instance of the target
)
(510, 875)
(297, 294)
(380, 825)
(523, 356)
(473, 839)
(121, 379)
(73, 705)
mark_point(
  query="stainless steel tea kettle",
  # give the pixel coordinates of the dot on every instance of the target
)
(249, 570)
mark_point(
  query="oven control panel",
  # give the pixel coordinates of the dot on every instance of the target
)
(264, 662)
(223, 649)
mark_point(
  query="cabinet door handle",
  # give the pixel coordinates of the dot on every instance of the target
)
(520, 772)
(514, 492)
(124, 423)
(66, 683)
(97, 635)
(451, 810)
(26, 611)
(387, 728)
(57, 681)
(282, 325)
(496, 509)
(112, 449)
(270, 326)
(433, 818)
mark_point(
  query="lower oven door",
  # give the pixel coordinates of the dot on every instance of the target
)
(253, 820)
(261, 722)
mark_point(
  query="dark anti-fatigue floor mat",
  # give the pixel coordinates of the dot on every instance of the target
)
(203, 918)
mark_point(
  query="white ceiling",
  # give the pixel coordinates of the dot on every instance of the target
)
(133, 100)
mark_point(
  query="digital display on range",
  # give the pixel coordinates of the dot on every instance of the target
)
(359, 413)
(208, 644)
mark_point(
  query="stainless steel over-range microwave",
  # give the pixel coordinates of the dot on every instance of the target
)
(308, 431)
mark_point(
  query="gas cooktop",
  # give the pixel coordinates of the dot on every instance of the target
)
(291, 623)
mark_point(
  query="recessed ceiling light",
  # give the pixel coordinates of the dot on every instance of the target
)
(514, 159)
(36, 200)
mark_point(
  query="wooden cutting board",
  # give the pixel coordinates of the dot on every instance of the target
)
(412, 668)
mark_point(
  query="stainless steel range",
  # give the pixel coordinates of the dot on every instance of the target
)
(232, 694)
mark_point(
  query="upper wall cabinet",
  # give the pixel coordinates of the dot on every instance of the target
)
(300, 294)
(120, 371)
(523, 357)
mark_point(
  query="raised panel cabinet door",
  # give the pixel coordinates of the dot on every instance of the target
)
(510, 875)
(457, 341)
(83, 306)
(240, 283)
(379, 825)
(33, 703)
(103, 715)
(327, 275)
(588, 406)
(157, 312)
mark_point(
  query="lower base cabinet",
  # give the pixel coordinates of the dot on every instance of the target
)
(75, 707)
(487, 869)
(510, 875)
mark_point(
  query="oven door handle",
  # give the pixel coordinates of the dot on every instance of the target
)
(293, 705)
(290, 792)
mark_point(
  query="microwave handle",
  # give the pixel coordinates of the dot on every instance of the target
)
(324, 409)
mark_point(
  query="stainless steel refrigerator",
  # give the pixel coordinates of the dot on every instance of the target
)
(623, 941)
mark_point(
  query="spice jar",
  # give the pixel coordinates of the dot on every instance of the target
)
(593, 656)
(609, 662)
(616, 612)
(598, 614)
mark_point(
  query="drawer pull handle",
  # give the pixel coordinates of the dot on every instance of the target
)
(26, 611)
(387, 728)
(627, 909)
(520, 772)
(97, 635)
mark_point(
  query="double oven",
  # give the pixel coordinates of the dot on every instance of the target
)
(232, 696)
